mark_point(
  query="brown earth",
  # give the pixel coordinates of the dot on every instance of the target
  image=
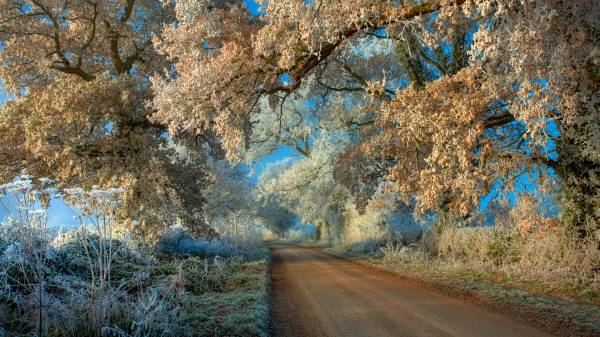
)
(317, 294)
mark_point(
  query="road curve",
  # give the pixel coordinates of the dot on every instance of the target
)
(316, 294)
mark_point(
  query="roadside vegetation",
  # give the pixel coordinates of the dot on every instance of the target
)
(539, 256)
(533, 274)
(93, 281)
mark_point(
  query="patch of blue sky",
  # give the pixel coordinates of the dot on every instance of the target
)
(26, 8)
(254, 8)
(310, 104)
(283, 152)
(165, 136)
(121, 13)
(137, 25)
(135, 70)
(108, 127)
(525, 183)
(445, 47)
(399, 83)
(431, 69)
(528, 181)
(381, 33)
(5, 96)
(470, 35)
(60, 214)
(285, 79)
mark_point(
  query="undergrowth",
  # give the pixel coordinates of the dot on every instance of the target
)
(149, 296)
(95, 282)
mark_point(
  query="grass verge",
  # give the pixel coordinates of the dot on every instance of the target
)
(190, 296)
(240, 305)
(526, 301)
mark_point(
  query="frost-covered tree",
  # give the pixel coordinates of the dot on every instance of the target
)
(273, 216)
(230, 206)
(80, 74)
(307, 188)
(228, 60)
(526, 100)
(468, 95)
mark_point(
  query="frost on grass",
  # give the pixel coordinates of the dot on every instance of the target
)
(96, 281)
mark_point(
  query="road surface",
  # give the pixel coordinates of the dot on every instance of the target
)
(316, 294)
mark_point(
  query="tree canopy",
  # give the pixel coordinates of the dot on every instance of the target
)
(438, 103)
(81, 72)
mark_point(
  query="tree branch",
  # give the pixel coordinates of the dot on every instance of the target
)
(307, 63)
(127, 10)
(113, 45)
(64, 65)
(498, 120)
(74, 71)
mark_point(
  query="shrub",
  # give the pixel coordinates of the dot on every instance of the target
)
(538, 255)
(468, 244)
(178, 242)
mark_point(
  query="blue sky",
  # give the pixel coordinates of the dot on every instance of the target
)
(281, 153)
(253, 7)
(60, 213)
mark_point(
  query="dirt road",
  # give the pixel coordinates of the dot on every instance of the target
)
(316, 294)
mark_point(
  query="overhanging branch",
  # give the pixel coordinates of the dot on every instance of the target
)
(306, 63)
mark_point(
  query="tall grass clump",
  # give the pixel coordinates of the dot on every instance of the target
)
(522, 245)
(34, 279)
(23, 264)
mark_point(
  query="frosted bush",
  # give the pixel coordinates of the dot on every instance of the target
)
(465, 244)
(156, 313)
(539, 255)
(368, 246)
(8, 234)
(393, 251)
(177, 242)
